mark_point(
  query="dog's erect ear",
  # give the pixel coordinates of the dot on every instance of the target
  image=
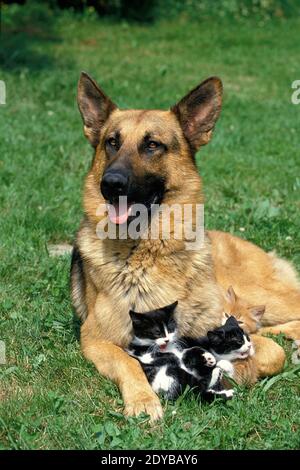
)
(199, 110)
(94, 107)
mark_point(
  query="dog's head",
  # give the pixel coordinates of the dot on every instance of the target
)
(145, 155)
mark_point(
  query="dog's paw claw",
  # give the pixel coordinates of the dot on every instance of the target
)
(148, 405)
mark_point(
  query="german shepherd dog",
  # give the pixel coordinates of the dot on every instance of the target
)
(149, 157)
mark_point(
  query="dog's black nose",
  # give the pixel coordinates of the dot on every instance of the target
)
(114, 184)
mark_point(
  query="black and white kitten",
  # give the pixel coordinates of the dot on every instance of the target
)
(227, 342)
(171, 363)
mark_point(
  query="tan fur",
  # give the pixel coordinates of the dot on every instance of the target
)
(269, 356)
(284, 270)
(269, 359)
(290, 330)
(249, 316)
(255, 277)
(245, 372)
(259, 278)
(114, 276)
(266, 361)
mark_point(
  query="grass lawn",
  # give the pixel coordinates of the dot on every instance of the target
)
(50, 397)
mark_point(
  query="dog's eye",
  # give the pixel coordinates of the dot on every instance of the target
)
(112, 142)
(152, 145)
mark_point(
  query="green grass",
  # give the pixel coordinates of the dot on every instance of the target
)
(50, 397)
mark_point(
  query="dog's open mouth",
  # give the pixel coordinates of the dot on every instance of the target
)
(138, 199)
(119, 212)
(123, 210)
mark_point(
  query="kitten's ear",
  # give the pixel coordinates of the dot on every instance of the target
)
(225, 317)
(170, 308)
(231, 296)
(135, 317)
(257, 312)
(232, 321)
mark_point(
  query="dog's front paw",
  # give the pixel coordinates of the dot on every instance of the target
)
(227, 367)
(144, 403)
(209, 359)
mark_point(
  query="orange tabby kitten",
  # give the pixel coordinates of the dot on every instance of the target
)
(249, 318)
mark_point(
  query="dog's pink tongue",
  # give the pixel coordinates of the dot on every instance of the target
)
(118, 213)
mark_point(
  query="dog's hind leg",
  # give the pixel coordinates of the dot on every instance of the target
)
(282, 305)
(258, 277)
(290, 330)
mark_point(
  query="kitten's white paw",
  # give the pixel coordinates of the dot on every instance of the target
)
(229, 393)
(227, 367)
(210, 359)
(216, 375)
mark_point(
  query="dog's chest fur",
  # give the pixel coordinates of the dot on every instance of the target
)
(142, 278)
